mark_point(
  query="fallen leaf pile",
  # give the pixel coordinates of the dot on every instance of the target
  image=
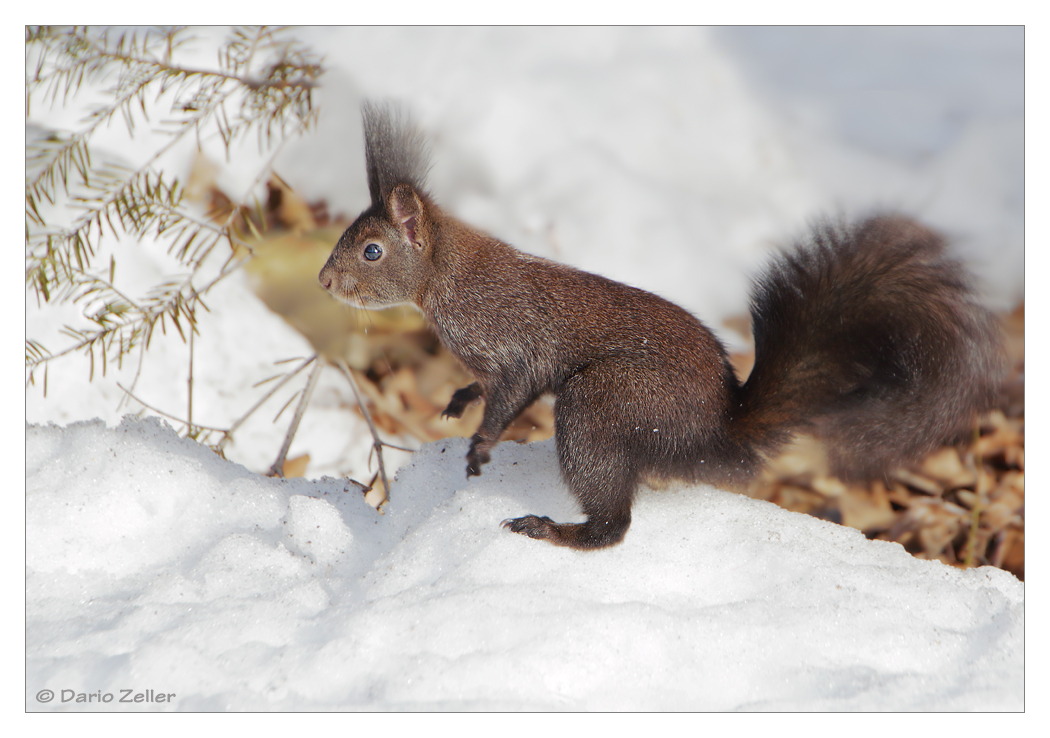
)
(963, 504)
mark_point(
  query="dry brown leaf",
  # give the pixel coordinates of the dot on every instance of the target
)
(946, 467)
(1012, 483)
(742, 364)
(866, 509)
(829, 486)
(295, 467)
(376, 494)
(290, 210)
(1010, 553)
(797, 499)
(1000, 515)
(918, 482)
(898, 494)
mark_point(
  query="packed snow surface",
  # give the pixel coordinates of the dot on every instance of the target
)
(673, 159)
(152, 564)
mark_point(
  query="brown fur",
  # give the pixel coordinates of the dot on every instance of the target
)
(867, 336)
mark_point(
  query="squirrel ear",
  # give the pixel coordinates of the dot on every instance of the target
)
(406, 210)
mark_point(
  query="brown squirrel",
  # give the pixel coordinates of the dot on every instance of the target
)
(866, 336)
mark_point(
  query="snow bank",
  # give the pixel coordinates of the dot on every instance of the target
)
(152, 564)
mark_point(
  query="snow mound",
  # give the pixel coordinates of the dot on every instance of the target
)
(152, 564)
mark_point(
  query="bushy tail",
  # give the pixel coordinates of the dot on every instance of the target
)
(870, 338)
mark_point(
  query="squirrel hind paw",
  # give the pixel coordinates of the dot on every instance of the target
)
(581, 536)
(532, 526)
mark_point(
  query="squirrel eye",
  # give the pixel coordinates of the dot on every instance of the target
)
(373, 251)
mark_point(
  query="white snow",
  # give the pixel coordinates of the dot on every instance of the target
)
(153, 564)
(674, 159)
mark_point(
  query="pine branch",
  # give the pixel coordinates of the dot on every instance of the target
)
(115, 199)
(50, 162)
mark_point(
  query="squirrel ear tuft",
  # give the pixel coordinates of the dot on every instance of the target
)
(406, 210)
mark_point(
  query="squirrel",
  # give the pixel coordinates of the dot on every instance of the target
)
(866, 335)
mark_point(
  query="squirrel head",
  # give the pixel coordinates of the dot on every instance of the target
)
(384, 258)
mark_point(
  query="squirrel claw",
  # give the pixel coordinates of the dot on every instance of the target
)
(460, 399)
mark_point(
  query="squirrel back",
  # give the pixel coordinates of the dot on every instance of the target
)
(867, 336)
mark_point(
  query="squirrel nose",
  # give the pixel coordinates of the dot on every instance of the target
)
(325, 278)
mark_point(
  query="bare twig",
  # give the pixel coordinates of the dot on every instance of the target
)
(176, 418)
(399, 448)
(240, 421)
(189, 381)
(377, 443)
(277, 470)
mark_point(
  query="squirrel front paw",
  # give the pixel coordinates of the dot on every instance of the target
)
(455, 409)
(460, 399)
